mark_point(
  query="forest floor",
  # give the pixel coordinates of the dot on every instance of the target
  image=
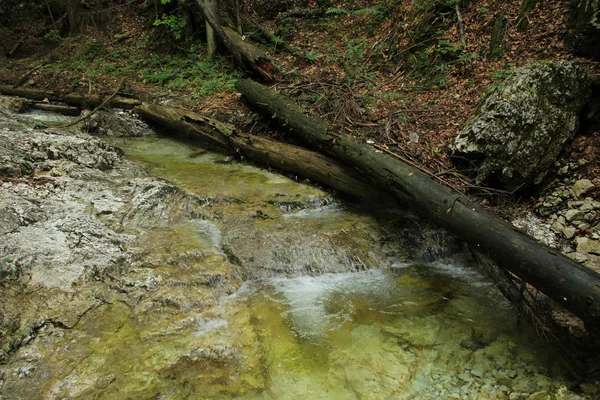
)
(365, 69)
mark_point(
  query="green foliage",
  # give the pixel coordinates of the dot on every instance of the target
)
(91, 50)
(53, 36)
(198, 77)
(467, 57)
(338, 11)
(501, 74)
(312, 56)
(483, 10)
(376, 11)
(174, 23)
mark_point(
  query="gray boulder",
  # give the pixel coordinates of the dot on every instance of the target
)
(522, 126)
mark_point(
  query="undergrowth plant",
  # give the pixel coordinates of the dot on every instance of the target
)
(188, 73)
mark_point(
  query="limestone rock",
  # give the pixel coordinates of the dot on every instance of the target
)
(585, 245)
(582, 186)
(574, 216)
(520, 129)
(569, 232)
(13, 161)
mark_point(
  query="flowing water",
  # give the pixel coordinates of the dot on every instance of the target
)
(339, 304)
(279, 291)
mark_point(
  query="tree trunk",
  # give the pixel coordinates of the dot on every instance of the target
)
(523, 20)
(72, 99)
(266, 37)
(498, 42)
(567, 282)
(211, 40)
(74, 16)
(247, 57)
(282, 156)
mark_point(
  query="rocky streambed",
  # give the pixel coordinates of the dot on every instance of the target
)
(165, 271)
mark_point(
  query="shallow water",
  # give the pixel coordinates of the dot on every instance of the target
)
(394, 325)
(280, 292)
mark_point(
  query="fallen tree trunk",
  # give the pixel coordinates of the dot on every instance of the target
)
(264, 36)
(567, 282)
(247, 56)
(282, 156)
(72, 99)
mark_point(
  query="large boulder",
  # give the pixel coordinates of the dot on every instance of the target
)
(585, 28)
(522, 126)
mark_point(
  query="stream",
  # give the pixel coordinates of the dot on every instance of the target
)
(231, 281)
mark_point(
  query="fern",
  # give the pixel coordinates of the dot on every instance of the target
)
(338, 11)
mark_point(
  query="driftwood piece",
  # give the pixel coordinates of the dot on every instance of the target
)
(567, 282)
(72, 99)
(55, 108)
(247, 57)
(282, 156)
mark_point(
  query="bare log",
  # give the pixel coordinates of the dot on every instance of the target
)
(282, 156)
(72, 99)
(567, 282)
(247, 56)
(55, 108)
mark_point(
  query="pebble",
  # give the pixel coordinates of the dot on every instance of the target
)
(582, 186)
(585, 245)
(574, 215)
(569, 232)
(558, 226)
(588, 204)
(477, 372)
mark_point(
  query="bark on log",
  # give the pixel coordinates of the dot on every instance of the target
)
(247, 56)
(282, 156)
(567, 282)
(71, 99)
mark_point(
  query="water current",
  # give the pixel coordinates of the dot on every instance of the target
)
(338, 301)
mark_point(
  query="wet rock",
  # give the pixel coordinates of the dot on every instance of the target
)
(582, 186)
(117, 123)
(519, 130)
